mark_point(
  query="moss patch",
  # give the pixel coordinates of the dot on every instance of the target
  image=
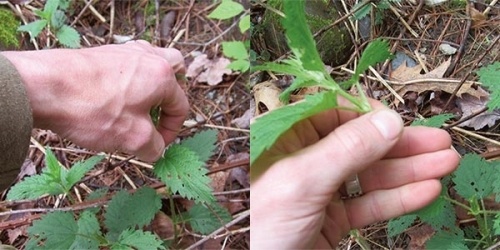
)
(8, 31)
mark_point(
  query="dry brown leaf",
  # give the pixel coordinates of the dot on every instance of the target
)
(219, 180)
(419, 236)
(209, 71)
(14, 233)
(478, 18)
(163, 226)
(244, 120)
(404, 73)
(469, 105)
(267, 94)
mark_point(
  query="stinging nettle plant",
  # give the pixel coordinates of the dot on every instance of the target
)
(308, 69)
(182, 170)
(53, 18)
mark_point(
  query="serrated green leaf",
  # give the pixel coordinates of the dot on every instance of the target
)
(79, 169)
(434, 122)
(226, 10)
(68, 37)
(57, 20)
(488, 76)
(202, 144)
(206, 218)
(440, 214)
(34, 28)
(267, 129)
(398, 225)
(55, 230)
(241, 65)
(137, 239)
(376, 51)
(53, 180)
(50, 7)
(130, 210)
(496, 225)
(447, 240)
(88, 232)
(182, 171)
(474, 177)
(244, 24)
(235, 49)
(294, 67)
(363, 11)
(296, 84)
(300, 38)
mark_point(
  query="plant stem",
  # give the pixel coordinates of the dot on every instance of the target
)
(457, 203)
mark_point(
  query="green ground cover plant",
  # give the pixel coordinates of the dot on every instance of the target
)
(182, 170)
(475, 179)
(53, 18)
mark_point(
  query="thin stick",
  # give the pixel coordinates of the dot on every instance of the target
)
(384, 82)
(480, 137)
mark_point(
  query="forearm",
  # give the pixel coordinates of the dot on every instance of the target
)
(16, 122)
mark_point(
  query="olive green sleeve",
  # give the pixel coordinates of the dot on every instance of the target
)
(16, 122)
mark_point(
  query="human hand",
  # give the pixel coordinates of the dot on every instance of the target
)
(296, 185)
(101, 97)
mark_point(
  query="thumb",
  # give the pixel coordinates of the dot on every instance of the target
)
(347, 150)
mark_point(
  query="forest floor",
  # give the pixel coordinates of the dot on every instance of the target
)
(183, 25)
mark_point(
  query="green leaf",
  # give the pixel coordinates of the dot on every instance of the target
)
(244, 24)
(239, 65)
(53, 180)
(68, 37)
(488, 76)
(267, 129)
(296, 84)
(447, 240)
(376, 51)
(181, 169)
(79, 169)
(55, 230)
(363, 11)
(474, 177)
(205, 219)
(88, 232)
(34, 28)
(235, 49)
(57, 20)
(294, 67)
(434, 122)
(440, 214)
(50, 8)
(226, 10)
(398, 225)
(137, 239)
(202, 144)
(496, 225)
(130, 210)
(299, 36)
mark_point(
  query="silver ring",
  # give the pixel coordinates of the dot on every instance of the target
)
(353, 186)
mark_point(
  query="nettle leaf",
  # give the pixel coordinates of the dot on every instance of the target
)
(434, 122)
(376, 51)
(60, 230)
(488, 76)
(206, 218)
(58, 19)
(182, 171)
(300, 38)
(496, 225)
(244, 24)
(130, 211)
(296, 84)
(68, 37)
(53, 180)
(235, 49)
(241, 65)
(49, 8)
(363, 11)
(226, 10)
(447, 240)
(202, 143)
(440, 214)
(268, 128)
(137, 239)
(34, 28)
(400, 224)
(474, 177)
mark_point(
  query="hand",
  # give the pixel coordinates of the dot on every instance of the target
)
(296, 186)
(101, 97)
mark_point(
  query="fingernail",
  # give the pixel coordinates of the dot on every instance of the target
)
(388, 123)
